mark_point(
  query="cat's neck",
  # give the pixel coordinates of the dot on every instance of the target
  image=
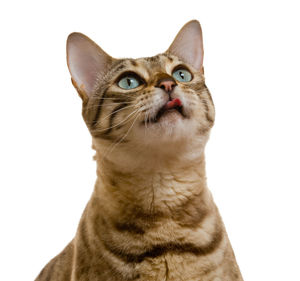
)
(158, 184)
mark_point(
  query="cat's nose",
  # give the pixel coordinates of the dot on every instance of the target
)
(167, 85)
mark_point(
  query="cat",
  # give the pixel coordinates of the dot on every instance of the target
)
(151, 215)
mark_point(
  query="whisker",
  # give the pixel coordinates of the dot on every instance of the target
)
(138, 114)
(113, 112)
(113, 145)
(101, 105)
(145, 124)
(146, 119)
(127, 117)
(101, 98)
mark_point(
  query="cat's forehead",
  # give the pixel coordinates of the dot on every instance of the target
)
(148, 66)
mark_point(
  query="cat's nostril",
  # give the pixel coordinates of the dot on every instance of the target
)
(167, 85)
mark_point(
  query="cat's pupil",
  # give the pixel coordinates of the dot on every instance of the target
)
(128, 82)
(181, 74)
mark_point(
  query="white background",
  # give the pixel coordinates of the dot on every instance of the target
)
(252, 67)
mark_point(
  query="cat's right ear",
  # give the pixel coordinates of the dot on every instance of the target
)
(86, 63)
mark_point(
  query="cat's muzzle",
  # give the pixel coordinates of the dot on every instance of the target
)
(170, 106)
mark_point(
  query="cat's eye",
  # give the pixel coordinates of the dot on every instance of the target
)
(128, 82)
(182, 75)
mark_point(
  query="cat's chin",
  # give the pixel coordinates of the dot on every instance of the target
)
(168, 118)
(171, 127)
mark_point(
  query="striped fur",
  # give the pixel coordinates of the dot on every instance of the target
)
(151, 216)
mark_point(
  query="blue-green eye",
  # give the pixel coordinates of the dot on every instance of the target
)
(182, 75)
(128, 82)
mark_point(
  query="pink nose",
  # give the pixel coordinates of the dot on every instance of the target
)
(167, 85)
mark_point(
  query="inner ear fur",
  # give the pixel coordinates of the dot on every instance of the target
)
(86, 62)
(188, 45)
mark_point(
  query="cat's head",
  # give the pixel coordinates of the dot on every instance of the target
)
(153, 102)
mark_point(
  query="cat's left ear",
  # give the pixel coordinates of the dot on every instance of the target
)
(86, 62)
(188, 45)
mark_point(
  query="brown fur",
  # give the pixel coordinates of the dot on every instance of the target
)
(151, 216)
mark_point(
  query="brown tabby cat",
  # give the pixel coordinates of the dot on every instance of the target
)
(151, 216)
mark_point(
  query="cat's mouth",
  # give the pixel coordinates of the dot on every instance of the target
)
(172, 106)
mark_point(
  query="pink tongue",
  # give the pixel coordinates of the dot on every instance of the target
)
(173, 103)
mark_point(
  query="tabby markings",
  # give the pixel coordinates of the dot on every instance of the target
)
(112, 117)
(169, 247)
(129, 227)
(98, 112)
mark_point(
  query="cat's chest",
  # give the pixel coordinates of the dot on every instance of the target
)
(174, 267)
